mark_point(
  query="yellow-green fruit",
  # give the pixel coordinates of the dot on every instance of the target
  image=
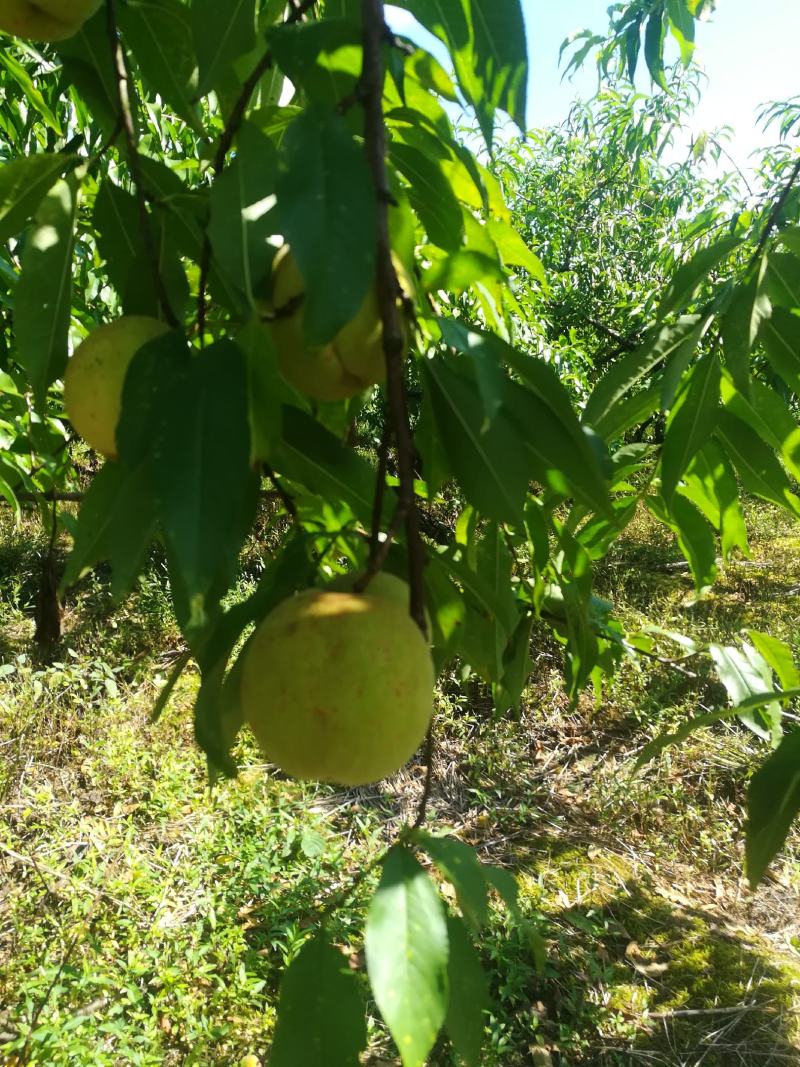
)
(95, 376)
(384, 585)
(45, 20)
(338, 687)
(349, 363)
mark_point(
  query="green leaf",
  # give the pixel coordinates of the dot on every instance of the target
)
(203, 481)
(765, 411)
(116, 523)
(321, 1020)
(661, 344)
(119, 238)
(654, 33)
(460, 865)
(160, 34)
(745, 673)
(711, 486)
(242, 212)
(773, 801)
(691, 421)
(663, 741)
(755, 462)
(158, 368)
(550, 432)
(500, 63)
(688, 278)
(23, 185)
(89, 66)
(517, 667)
(290, 571)
(633, 44)
(513, 250)
(487, 45)
(695, 537)
(324, 57)
(783, 279)
(505, 885)
(469, 995)
(489, 460)
(33, 96)
(221, 33)
(265, 387)
(681, 23)
(657, 746)
(781, 336)
(460, 270)
(185, 211)
(326, 201)
(431, 196)
(740, 324)
(43, 296)
(407, 952)
(316, 458)
(779, 656)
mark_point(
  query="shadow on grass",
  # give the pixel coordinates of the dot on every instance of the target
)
(634, 977)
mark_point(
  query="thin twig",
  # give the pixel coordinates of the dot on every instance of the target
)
(378, 557)
(123, 84)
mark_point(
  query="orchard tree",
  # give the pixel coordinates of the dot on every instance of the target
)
(248, 262)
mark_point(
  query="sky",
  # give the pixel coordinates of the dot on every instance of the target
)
(749, 50)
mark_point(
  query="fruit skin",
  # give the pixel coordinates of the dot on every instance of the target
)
(338, 686)
(95, 376)
(45, 20)
(345, 366)
(384, 585)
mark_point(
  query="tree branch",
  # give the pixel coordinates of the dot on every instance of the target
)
(394, 340)
(123, 85)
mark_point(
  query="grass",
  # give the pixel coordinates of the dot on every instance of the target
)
(145, 919)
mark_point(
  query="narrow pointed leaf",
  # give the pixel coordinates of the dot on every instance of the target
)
(773, 802)
(23, 184)
(44, 294)
(691, 421)
(690, 276)
(460, 865)
(469, 995)
(407, 951)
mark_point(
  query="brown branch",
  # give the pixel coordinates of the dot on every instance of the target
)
(122, 81)
(394, 339)
(389, 291)
(379, 555)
